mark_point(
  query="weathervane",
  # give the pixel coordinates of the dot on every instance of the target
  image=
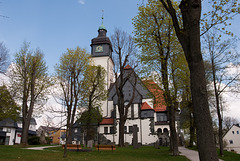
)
(102, 16)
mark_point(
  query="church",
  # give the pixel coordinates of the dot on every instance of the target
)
(148, 111)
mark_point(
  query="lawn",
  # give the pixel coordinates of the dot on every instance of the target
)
(120, 154)
(228, 156)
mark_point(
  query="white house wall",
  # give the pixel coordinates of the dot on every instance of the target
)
(233, 135)
(11, 134)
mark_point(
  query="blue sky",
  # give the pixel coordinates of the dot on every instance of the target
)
(55, 25)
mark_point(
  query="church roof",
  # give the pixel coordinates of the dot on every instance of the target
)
(159, 103)
(127, 67)
(107, 121)
(146, 106)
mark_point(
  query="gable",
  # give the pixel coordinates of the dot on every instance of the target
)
(141, 91)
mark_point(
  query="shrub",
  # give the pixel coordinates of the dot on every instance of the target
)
(33, 140)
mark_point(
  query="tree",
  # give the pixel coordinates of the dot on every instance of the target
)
(8, 107)
(70, 75)
(220, 55)
(29, 84)
(124, 49)
(162, 52)
(4, 58)
(228, 122)
(95, 93)
(189, 37)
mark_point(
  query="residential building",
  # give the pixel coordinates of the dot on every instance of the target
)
(11, 131)
(232, 139)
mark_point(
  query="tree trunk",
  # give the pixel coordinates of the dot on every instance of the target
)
(121, 132)
(173, 133)
(190, 41)
(192, 130)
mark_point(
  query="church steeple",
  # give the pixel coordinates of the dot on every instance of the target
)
(102, 31)
(101, 45)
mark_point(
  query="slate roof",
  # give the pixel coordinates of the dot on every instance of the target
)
(45, 128)
(146, 106)
(8, 122)
(107, 121)
(159, 103)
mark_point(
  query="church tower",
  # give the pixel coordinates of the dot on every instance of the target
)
(101, 52)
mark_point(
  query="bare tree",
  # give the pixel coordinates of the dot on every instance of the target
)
(220, 55)
(124, 49)
(4, 58)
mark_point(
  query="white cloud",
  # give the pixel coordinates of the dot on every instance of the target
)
(81, 1)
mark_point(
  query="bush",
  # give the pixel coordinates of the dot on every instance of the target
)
(34, 140)
(49, 140)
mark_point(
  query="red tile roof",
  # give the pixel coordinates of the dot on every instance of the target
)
(128, 67)
(159, 104)
(146, 106)
(107, 121)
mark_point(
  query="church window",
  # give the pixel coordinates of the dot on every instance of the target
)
(125, 129)
(231, 141)
(105, 130)
(111, 130)
(132, 111)
(232, 132)
(161, 117)
(145, 114)
(237, 132)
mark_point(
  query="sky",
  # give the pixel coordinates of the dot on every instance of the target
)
(55, 25)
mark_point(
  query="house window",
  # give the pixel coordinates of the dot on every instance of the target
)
(111, 130)
(231, 141)
(237, 132)
(130, 129)
(232, 132)
(125, 129)
(8, 130)
(105, 130)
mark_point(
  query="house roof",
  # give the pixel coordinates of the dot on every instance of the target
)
(107, 121)
(30, 132)
(8, 122)
(47, 129)
(159, 103)
(146, 106)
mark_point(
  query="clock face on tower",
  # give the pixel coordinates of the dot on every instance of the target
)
(99, 49)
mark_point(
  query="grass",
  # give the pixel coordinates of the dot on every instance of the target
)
(228, 156)
(128, 153)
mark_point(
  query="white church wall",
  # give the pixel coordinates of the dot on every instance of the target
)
(147, 138)
(107, 64)
(107, 107)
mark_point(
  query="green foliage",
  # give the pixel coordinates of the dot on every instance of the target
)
(29, 67)
(219, 13)
(49, 140)
(34, 140)
(8, 107)
(91, 117)
(94, 86)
